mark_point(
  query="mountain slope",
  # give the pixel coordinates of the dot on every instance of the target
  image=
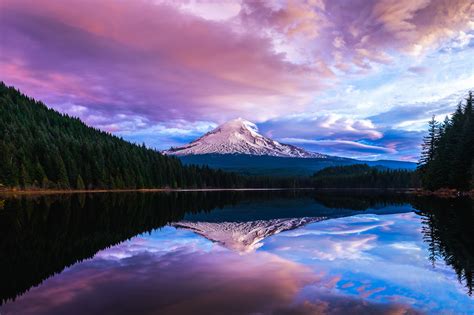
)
(240, 136)
(41, 148)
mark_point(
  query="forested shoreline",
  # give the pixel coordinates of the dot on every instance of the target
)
(44, 150)
(364, 176)
(447, 157)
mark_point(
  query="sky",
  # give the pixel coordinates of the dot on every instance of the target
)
(354, 78)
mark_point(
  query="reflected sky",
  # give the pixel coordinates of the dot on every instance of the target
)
(353, 265)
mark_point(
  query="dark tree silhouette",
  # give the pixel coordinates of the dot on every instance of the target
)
(448, 151)
(364, 176)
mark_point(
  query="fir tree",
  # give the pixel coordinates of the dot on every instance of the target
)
(447, 154)
(80, 183)
(428, 149)
(61, 177)
(429, 144)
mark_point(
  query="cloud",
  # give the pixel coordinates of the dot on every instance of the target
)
(158, 61)
(164, 135)
(351, 238)
(418, 70)
(314, 70)
(415, 116)
(330, 126)
(406, 143)
(296, 18)
(341, 147)
(351, 35)
(169, 60)
(394, 133)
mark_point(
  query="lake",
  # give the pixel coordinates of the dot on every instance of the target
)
(236, 252)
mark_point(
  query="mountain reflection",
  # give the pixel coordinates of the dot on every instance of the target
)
(40, 236)
(244, 237)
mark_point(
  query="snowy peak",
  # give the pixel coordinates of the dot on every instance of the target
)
(238, 125)
(240, 136)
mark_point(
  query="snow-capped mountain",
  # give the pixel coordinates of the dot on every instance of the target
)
(240, 136)
(244, 237)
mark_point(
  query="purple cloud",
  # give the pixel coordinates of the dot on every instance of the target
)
(141, 67)
(158, 62)
(343, 147)
(330, 126)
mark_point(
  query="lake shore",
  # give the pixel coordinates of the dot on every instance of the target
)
(9, 192)
(442, 193)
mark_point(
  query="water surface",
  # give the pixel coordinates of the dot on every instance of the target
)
(236, 253)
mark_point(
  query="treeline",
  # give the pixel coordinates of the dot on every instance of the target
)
(448, 151)
(364, 176)
(41, 148)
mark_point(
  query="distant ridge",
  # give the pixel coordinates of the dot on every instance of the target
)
(281, 166)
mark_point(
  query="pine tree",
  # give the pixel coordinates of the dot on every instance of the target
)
(45, 182)
(428, 146)
(62, 177)
(428, 149)
(80, 183)
(39, 172)
(24, 177)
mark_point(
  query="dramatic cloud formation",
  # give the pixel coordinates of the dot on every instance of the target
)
(330, 125)
(339, 69)
(157, 61)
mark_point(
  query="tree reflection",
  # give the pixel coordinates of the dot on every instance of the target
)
(40, 236)
(448, 230)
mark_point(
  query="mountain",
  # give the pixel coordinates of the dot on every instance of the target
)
(237, 146)
(240, 136)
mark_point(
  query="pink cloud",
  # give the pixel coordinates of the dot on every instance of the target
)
(353, 34)
(146, 58)
(164, 62)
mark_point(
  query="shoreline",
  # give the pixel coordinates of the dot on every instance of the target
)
(444, 193)
(142, 190)
(441, 193)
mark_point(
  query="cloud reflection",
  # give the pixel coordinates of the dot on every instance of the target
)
(378, 258)
(144, 276)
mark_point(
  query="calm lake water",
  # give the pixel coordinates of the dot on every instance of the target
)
(264, 252)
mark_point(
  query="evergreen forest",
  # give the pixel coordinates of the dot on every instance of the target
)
(448, 151)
